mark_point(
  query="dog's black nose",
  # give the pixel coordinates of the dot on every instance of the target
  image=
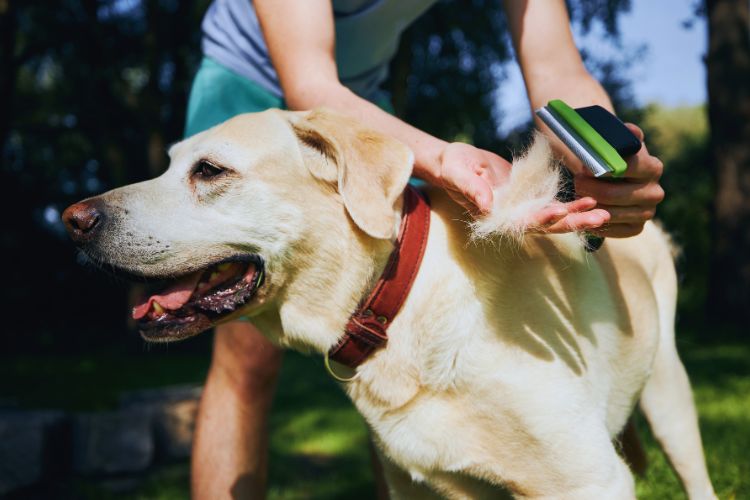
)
(82, 220)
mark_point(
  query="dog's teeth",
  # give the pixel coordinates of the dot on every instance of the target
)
(158, 309)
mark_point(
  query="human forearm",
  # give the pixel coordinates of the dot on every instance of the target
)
(465, 172)
(427, 149)
(301, 43)
(550, 62)
(546, 53)
(553, 68)
(578, 89)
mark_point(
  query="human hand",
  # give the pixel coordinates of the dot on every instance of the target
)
(469, 174)
(632, 200)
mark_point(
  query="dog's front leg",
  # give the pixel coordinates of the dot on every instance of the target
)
(571, 460)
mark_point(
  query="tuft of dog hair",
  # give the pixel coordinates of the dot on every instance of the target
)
(534, 182)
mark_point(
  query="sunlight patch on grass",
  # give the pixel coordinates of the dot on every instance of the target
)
(321, 431)
(730, 403)
(721, 387)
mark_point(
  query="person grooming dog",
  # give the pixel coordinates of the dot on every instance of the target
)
(335, 53)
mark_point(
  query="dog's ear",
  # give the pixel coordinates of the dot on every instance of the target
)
(369, 169)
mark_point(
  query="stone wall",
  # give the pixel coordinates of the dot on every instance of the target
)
(149, 427)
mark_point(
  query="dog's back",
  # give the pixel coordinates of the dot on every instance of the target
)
(518, 362)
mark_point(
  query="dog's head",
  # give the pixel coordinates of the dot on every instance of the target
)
(245, 209)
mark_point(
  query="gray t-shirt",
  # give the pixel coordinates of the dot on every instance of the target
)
(367, 36)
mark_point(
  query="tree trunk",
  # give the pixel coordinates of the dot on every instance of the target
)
(729, 117)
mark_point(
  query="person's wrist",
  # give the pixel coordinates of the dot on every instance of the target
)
(428, 165)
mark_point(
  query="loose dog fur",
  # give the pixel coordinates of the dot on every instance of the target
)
(533, 184)
(512, 366)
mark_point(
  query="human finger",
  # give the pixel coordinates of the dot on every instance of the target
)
(548, 216)
(580, 221)
(619, 193)
(495, 169)
(581, 204)
(558, 210)
(631, 214)
(642, 165)
(636, 130)
(617, 230)
(470, 191)
(479, 193)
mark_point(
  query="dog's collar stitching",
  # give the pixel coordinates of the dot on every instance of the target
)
(366, 330)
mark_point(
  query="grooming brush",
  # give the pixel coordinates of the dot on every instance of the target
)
(597, 137)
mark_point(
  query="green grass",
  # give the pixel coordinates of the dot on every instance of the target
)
(721, 384)
(319, 444)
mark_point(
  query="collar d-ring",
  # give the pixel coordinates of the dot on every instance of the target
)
(335, 375)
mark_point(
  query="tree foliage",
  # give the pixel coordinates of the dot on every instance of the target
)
(453, 59)
(679, 137)
(92, 92)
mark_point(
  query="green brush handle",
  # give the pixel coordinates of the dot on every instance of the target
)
(591, 136)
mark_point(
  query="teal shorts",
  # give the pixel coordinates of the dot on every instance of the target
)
(219, 93)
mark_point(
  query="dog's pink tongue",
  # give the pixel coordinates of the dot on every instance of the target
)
(172, 298)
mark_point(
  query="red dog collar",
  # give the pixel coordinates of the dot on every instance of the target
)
(367, 328)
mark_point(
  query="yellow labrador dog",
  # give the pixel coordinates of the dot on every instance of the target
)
(512, 364)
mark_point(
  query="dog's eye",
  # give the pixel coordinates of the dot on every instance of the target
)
(206, 169)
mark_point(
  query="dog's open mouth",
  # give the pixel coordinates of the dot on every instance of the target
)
(194, 302)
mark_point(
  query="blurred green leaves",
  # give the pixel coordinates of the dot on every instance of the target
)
(679, 137)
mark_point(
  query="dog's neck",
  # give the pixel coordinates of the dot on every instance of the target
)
(319, 298)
